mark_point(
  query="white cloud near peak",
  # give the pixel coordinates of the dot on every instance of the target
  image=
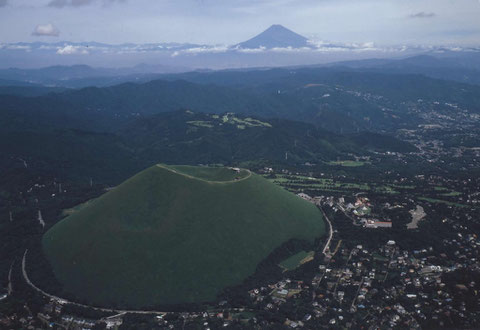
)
(48, 30)
(72, 50)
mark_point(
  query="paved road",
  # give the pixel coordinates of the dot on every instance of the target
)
(354, 222)
(65, 301)
(356, 295)
(108, 310)
(10, 286)
(330, 235)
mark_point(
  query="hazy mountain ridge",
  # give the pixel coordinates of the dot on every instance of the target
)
(272, 47)
(333, 98)
(462, 68)
(457, 66)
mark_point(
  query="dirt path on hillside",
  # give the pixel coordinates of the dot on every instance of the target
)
(195, 178)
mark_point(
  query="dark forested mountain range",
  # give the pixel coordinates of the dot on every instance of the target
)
(230, 137)
(174, 137)
(296, 115)
(340, 101)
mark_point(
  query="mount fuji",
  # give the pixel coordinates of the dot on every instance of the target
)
(276, 36)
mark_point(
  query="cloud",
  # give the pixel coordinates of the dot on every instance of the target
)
(3, 3)
(26, 48)
(72, 50)
(422, 14)
(261, 49)
(79, 3)
(48, 30)
(201, 50)
(72, 3)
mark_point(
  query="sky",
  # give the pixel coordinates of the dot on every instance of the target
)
(384, 22)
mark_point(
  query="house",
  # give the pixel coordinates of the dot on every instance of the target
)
(378, 224)
(113, 322)
(282, 292)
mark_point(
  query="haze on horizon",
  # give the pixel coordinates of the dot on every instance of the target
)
(340, 30)
(431, 22)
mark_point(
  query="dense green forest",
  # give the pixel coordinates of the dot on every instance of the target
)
(186, 231)
(336, 99)
(78, 147)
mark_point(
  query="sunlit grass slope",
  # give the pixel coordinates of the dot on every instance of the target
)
(175, 234)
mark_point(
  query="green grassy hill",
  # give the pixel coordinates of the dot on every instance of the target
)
(175, 234)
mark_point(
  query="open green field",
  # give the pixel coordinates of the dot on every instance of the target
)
(452, 194)
(347, 163)
(297, 260)
(317, 183)
(200, 123)
(434, 200)
(175, 234)
(387, 189)
(299, 182)
(402, 186)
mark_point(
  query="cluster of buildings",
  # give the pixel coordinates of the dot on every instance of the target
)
(53, 316)
(387, 286)
(361, 212)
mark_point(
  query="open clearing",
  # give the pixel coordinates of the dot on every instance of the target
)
(347, 163)
(297, 260)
